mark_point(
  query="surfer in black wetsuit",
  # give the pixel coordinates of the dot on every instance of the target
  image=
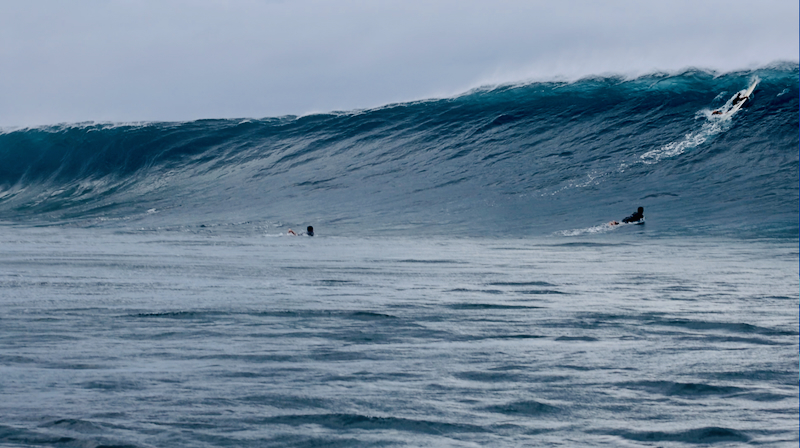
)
(309, 231)
(736, 100)
(637, 216)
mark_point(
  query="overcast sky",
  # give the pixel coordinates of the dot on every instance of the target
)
(131, 60)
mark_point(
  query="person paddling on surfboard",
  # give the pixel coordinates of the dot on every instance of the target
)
(309, 231)
(736, 100)
(637, 216)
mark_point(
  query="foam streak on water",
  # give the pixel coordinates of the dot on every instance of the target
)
(708, 129)
(200, 339)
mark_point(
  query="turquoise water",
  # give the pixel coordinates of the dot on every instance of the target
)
(523, 160)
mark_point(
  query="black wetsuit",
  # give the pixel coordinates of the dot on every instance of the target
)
(636, 216)
(310, 233)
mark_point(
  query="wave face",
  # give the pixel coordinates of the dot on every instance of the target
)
(510, 160)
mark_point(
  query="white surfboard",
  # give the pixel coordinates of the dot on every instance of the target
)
(620, 223)
(752, 87)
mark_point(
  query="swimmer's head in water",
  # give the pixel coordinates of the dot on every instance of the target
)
(640, 210)
(310, 230)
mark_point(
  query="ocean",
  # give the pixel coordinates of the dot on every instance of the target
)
(463, 287)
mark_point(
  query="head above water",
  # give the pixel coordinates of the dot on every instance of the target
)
(640, 210)
(310, 230)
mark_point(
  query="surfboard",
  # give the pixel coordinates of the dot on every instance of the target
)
(752, 87)
(635, 223)
(620, 223)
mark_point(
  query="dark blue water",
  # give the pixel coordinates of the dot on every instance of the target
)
(519, 159)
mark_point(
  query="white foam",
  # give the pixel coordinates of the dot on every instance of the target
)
(602, 228)
(714, 125)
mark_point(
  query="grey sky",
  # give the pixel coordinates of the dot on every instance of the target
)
(130, 60)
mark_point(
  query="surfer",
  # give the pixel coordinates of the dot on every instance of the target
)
(736, 100)
(309, 231)
(636, 216)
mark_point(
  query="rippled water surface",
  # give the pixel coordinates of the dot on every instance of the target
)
(192, 339)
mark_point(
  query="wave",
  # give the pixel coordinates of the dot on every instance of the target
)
(520, 159)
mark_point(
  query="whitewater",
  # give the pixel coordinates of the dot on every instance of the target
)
(462, 288)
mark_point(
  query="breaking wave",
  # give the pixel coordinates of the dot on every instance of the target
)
(516, 159)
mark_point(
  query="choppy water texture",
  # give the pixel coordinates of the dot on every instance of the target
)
(192, 340)
(463, 288)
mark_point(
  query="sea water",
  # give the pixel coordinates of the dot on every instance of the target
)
(463, 288)
(201, 339)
